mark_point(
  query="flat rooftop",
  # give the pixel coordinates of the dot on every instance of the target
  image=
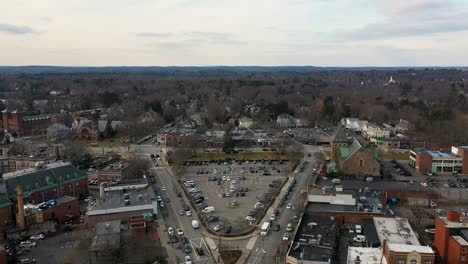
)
(435, 154)
(410, 248)
(395, 231)
(22, 172)
(455, 224)
(315, 239)
(365, 255)
(376, 185)
(124, 200)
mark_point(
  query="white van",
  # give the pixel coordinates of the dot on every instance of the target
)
(208, 209)
(358, 229)
(195, 224)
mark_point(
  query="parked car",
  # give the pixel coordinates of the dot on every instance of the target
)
(199, 251)
(187, 249)
(218, 227)
(170, 230)
(188, 260)
(180, 232)
(286, 236)
(37, 237)
(276, 227)
(28, 244)
(430, 230)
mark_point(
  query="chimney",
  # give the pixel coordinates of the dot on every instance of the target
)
(21, 223)
(101, 190)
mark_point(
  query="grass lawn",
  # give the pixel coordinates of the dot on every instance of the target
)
(395, 155)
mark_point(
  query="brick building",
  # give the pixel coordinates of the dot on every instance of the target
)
(115, 172)
(50, 181)
(65, 208)
(451, 238)
(177, 133)
(22, 125)
(342, 139)
(356, 160)
(429, 161)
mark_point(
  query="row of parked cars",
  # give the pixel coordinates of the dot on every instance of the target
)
(195, 194)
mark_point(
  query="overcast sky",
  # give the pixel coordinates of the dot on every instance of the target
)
(234, 32)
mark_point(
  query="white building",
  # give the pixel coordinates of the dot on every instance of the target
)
(375, 131)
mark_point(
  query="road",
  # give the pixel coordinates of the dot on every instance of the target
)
(170, 214)
(265, 248)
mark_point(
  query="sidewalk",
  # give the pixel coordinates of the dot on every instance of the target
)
(164, 238)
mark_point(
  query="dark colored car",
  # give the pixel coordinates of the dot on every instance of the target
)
(228, 230)
(187, 249)
(212, 219)
(276, 227)
(199, 251)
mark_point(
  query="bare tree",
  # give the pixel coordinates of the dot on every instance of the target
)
(137, 166)
(178, 156)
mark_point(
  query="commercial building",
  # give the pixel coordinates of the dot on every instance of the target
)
(430, 161)
(121, 201)
(115, 172)
(314, 241)
(177, 133)
(245, 122)
(392, 241)
(451, 238)
(397, 142)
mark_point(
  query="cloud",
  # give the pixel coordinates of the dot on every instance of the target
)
(17, 30)
(404, 7)
(409, 19)
(154, 34)
(191, 37)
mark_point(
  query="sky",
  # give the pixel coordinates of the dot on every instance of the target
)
(234, 32)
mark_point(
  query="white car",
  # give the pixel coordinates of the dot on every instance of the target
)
(28, 244)
(272, 217)
(188, 260)
(424, 184)
(188, 213)
(159, 198)
(286, 236)
(170, 230)
(289, 206)
(439, 211)
(37, 237)
(234, 181)
(163, 189)
(289, 227)
(430, 230)
(180, 232)
(228, 178)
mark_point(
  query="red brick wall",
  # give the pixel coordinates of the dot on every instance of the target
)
(70, 189)
(352, 166)
(464, 154)
(3, 257)
(423, 163)
(347, 218)
(13, 122)
(454, 252)
(124, 216)
(441, 238)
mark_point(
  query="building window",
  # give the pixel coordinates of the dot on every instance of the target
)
(464, 250)
(400, 261)
(360, 163)
(463, 258)
(413, 261)
(427, 262)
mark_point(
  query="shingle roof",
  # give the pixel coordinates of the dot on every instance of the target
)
(33, 180)
(342, 135)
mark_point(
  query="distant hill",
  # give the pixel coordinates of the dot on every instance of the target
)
(64, 70)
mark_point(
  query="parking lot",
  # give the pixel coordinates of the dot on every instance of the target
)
(235, 190)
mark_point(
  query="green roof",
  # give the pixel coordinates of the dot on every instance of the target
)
(344, 152)
(4, 201)
(40, 179)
